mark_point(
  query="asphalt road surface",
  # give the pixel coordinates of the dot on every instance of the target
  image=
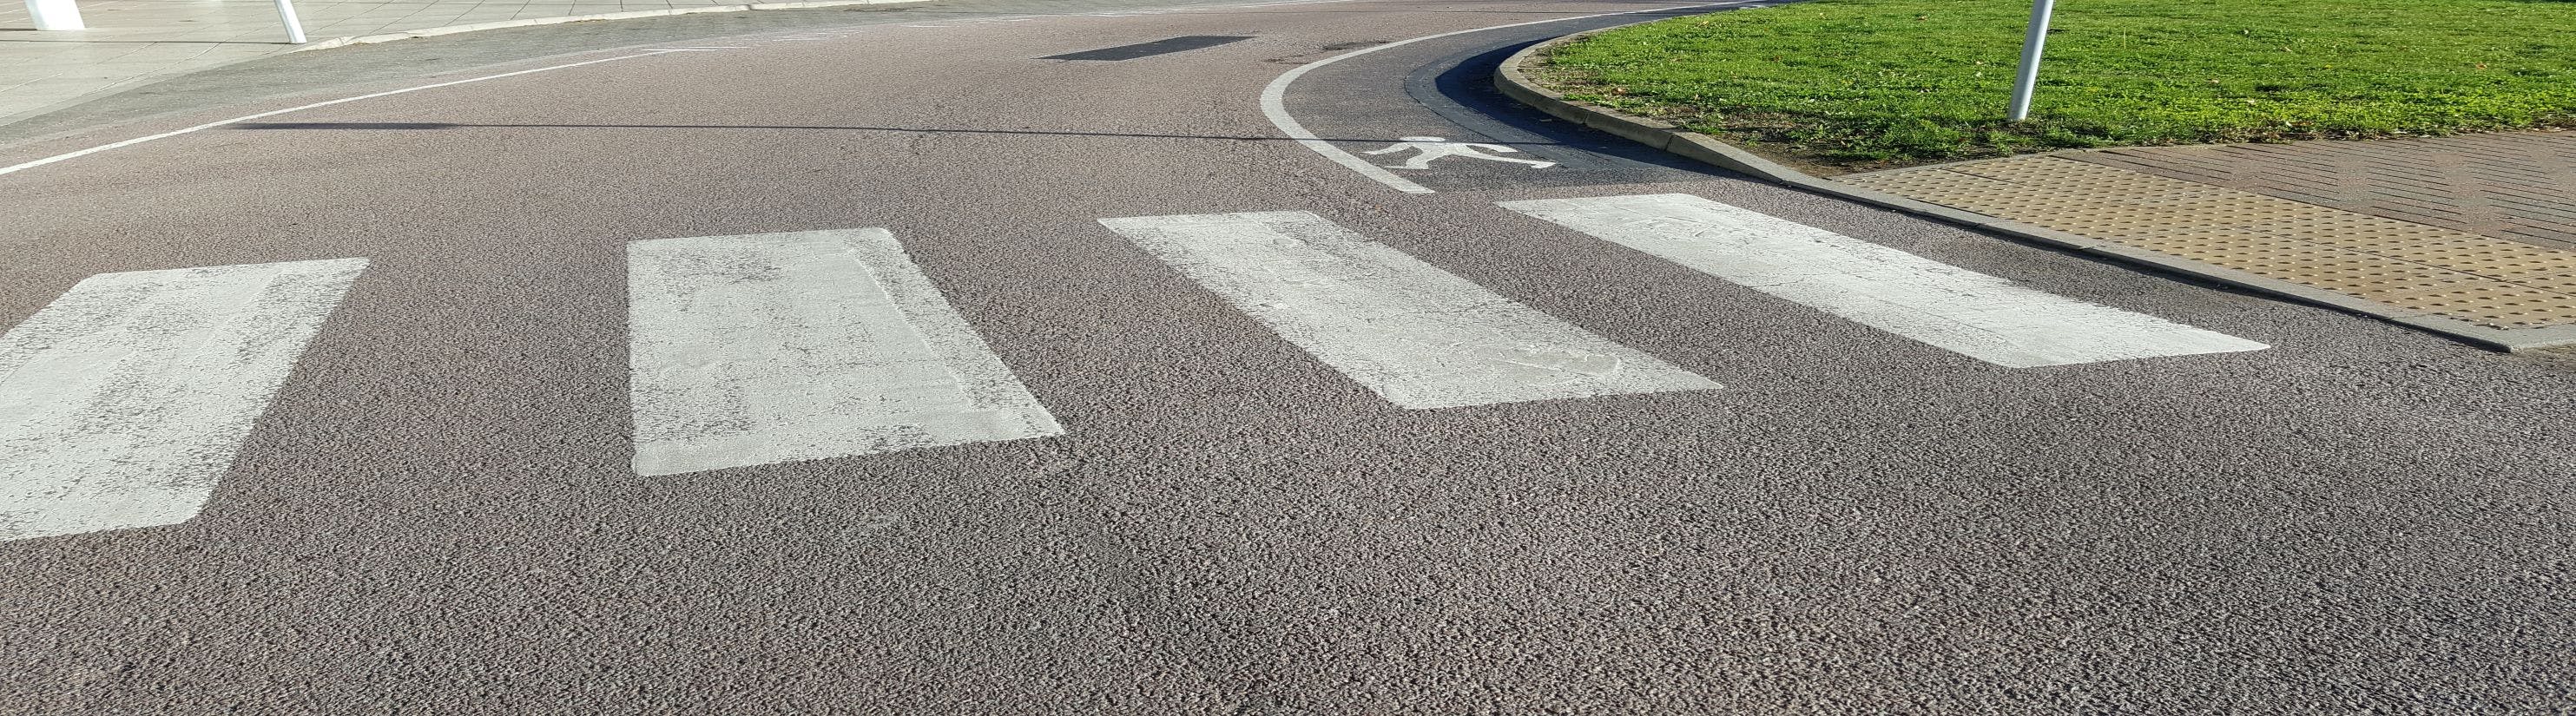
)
(888, 366)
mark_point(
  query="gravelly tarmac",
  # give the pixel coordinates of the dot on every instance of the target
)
(436, 515)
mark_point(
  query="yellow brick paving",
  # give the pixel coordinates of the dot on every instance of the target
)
(2479, 279)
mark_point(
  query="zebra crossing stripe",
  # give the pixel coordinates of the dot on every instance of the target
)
(124, 401)
(1414, 334)
(1973, 314)
(751, 350)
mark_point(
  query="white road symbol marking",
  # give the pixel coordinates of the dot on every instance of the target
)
(1414, 334)
(751, 350)
(1973, 314)
(1433, 148)
(123, 402)
(1274, 97)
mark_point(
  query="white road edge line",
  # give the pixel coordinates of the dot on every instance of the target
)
(1416, 335)
(123, 402)
(769, 348)
(1965, 312)
(1274, 98)
(15, 168)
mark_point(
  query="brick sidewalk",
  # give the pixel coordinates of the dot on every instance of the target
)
(2478, 231)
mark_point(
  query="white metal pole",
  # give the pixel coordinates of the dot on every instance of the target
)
(2030, 50)
(55, 14)
(294, 25)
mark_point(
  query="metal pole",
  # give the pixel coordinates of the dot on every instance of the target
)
(2030, 47)
(294, 25)
(55, 14)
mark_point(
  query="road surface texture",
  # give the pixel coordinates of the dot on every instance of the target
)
(894, 368)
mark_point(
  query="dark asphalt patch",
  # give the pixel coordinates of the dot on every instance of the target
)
(1148, 49)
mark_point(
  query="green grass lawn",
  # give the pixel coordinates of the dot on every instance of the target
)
(1863, 83)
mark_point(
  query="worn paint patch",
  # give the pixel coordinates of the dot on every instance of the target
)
(123, 402)
(751, 350)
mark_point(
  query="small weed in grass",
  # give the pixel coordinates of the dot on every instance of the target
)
(1863, 83)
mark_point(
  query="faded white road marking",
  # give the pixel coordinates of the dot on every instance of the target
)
(751, 350)
(1414, 334)
(124, 401)
(1430, 149)
(1274, 98)
(23, 166)
(1973, 314)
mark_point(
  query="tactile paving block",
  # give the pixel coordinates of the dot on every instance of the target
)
(2494, 304)
(2562, 283)
(2517, 186)
(2512, 262)
(2479, 279)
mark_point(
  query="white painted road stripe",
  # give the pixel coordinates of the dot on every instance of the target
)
(124, 401)
(76, 154)
(1973, 314)
(1414, 334)
(751, 350)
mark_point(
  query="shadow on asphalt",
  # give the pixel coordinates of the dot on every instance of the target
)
(1461, 89)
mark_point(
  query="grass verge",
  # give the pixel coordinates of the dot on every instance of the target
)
(1859, 84)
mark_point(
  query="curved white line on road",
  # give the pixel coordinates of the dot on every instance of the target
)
(1274, 98)
(15, 168)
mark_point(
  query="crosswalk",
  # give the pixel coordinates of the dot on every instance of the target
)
(124, 401)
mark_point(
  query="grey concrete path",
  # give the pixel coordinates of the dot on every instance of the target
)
(438, 509)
